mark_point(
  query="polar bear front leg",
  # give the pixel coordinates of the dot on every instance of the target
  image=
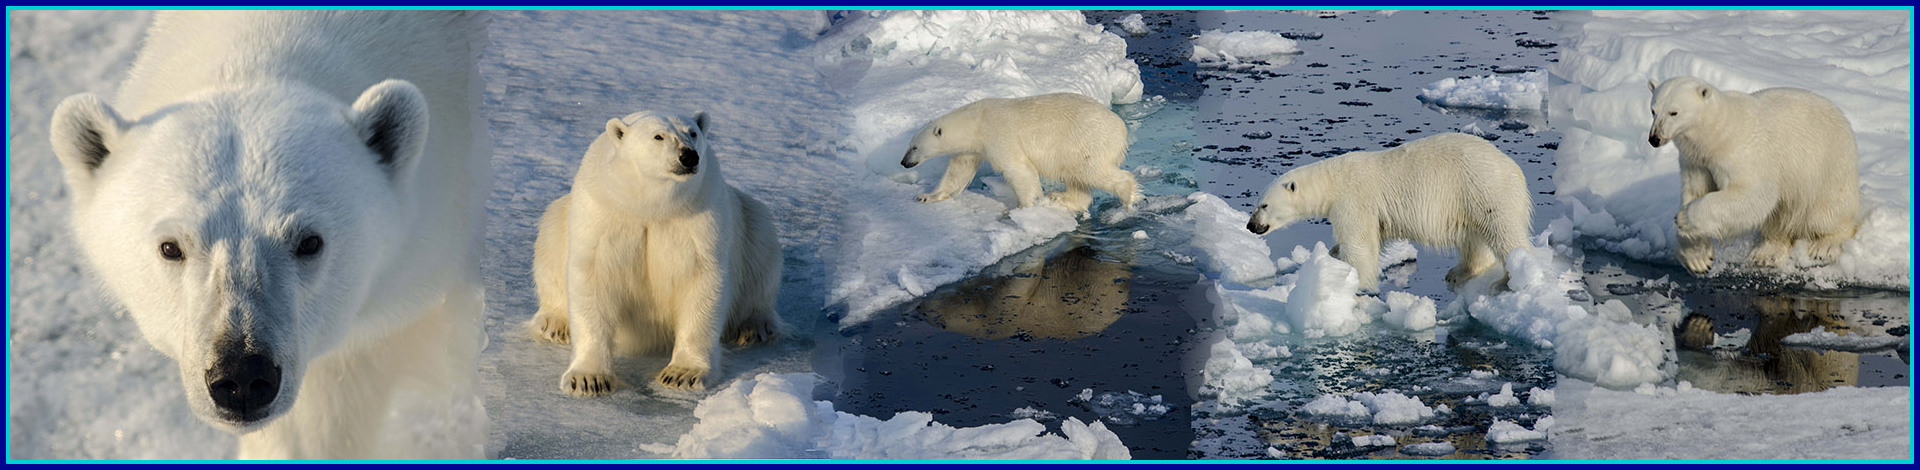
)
(1696, 254)
(1359, 242)
(700, 309)
(1025, 181)
(590, 317)
(959, 174)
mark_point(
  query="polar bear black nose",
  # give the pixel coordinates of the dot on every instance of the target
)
(689, 158)
(1653, 140)
(1256, 227)
(244, 387)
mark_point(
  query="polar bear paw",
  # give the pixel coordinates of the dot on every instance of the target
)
(1697, 260)
(1769, 253)
(1825, 250)
(752, 332)
(682, 377)
(932, 197)
(550, 328)
(588, 384)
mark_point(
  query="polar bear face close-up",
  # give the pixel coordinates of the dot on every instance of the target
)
(1279, 207)
(1677, 105)
(954, 133)
(241, 227)
(657, 146)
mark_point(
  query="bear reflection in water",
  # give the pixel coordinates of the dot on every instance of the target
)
(1763, 365)
(1076, 294)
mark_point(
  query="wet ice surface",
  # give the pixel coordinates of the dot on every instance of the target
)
(1356, 87)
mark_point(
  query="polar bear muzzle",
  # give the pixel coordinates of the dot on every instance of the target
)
(908, 160)
(689, 162)
(243, 384)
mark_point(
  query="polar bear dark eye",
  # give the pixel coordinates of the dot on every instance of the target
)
(309, 246)
(659, 137)
(171, 251)
(1673, 113)
(936, 132)
(693, 134)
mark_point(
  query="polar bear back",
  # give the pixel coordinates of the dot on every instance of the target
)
(1060, 132)
(1442, 190)
(1807, 139)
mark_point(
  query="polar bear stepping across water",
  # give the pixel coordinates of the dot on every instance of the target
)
(1781, 160)
(1449, 191)
(289, 205)
(1063, 136)
(653, 248)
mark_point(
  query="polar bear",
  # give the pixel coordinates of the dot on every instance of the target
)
(289, 205)
(1781, 160)
(1063, 136)
(653, 248)
(1450, 190)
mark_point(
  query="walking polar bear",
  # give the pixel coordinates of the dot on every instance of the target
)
(1449, 190)
(289, 206)
(1063, 136)
(653, 248)
(1781, 160)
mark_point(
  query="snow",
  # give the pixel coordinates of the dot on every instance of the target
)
(897, 71)
(1628, 192)
(772, 416)
(1503, 91)
(1506, 432)
(1539, 397)
(1820, 338)
(1226, 247)
(1322, 300)
(1600, 343)
(1123, 409)
(1504, 399)
(1386, 408)
(1135, 25)
(1233, 49)
(1376, 440)
(1410, 312)
(1230, 378)
(1428, 449)
(1680, 422)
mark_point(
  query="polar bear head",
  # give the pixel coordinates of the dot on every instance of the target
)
(1677, 105)
(954, 133)
(657, 146)
(1284, 203)
(242, 228)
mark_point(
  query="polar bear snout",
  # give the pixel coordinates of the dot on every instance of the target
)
(689, 162)
(243, 387)
(908, 160)
(1655, 140)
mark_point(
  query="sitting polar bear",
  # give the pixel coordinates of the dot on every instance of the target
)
(1449, 190)
(1780, 159)
(1063, 136)
(289, 205)
(653, 248)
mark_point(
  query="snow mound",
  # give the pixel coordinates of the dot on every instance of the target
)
(1379, 409)
(900, 69)
(772, 416)
(1135, 25)
(1629, 191)
(1231, 50)
(1226, 247)
(1322, 300)
(1502, 91)
(1603, 344)
(1505, 432)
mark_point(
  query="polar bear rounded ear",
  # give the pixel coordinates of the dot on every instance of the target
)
(616, 128)
(1652, 85)
(700, 120)
(1289, 186)
(391, 117)
(1705, 91)
(84, 133)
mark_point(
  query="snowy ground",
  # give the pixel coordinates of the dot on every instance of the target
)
(1628, 191)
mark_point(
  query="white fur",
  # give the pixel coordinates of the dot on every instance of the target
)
(640, 256)
(238, 135)
(1780, 160)
(1063, 136)
(1448, 191)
